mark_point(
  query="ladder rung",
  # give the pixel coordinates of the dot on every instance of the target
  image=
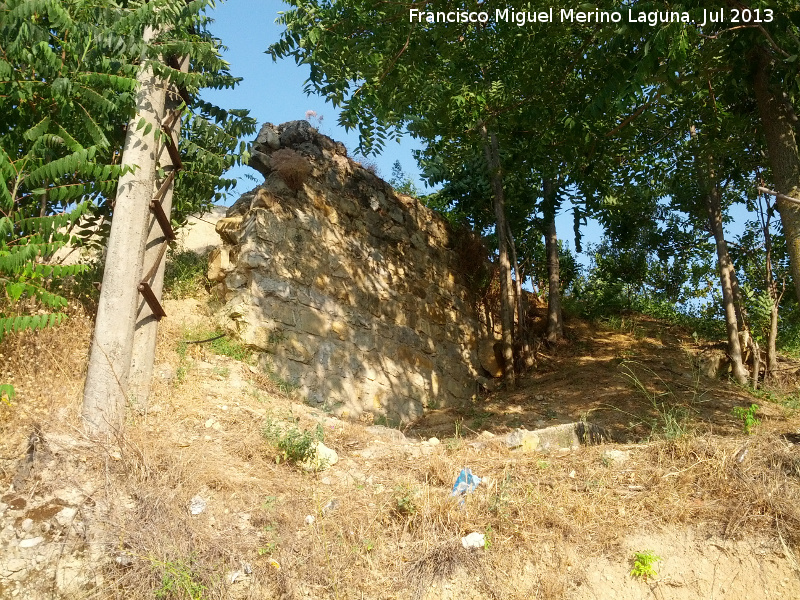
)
(162, 219)
(164, 186)
(149, 297)
(152, 272)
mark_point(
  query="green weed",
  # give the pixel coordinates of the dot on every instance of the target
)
(178, 580)
(185, 274)
(747, 416)
(387, 421)
(488, 537)
(269, 548)
(227, 346)
(455, 442)
(643, 565)
(500, 501)
(295, 445)
(183, 363)
(404, 500)
(223, 372)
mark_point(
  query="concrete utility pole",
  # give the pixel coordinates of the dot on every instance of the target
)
(158, 236)
(106, 390)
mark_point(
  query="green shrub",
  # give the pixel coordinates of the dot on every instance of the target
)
(295, 445)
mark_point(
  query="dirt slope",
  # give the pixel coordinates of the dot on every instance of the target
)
(83, 520)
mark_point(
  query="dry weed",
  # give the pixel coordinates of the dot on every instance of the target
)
(292, 167)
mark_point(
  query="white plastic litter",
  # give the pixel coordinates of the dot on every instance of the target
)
(197, 505)
(474, 540)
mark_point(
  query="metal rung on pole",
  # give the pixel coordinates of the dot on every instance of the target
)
(164, 186)
(162, 219)
(170, 119)
(155, 306)
(172, 149)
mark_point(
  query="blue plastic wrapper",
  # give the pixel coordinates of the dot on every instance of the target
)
(465, 483)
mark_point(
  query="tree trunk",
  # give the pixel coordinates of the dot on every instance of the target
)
(146, 327)
(105, 392)
(756, 362)
(765, 217)
(726, 274)
(772, 352)
(783, 157)
(555, 327)
(506, 293)
(520, 314)
(522, 338)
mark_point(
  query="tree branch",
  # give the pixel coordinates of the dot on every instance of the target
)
(778, 195)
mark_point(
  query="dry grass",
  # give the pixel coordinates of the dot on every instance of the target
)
(385, 525)
(292, 167)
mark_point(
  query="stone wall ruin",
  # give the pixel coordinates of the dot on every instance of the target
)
(352, 290)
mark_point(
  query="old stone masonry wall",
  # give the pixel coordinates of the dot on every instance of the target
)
(351, 289)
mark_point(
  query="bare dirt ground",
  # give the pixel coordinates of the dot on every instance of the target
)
(719, 509)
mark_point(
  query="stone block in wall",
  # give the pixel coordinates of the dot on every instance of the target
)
(341, 330)
(414, 358)
(308, 222)
(349, 207)
(256, 336)
(325, 357)
(313, 322)
(435, 388)
(489, 357)
(417, 380)
(297, 347)
(458, 388)
(312, 298)
(374, 397)
(424, 327)
(280, 312)
(436, 315)
(268, 135)
(364, 340)
(268, 228)
(218, 263)
(236, 280)
(337, 268)
(406, 410)
(408, 337)
(264, 286)
(393, 313)
(418, 242)
(438, 334)
(337, 393)
(252, 256)
(371, 370)
(396, 214)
